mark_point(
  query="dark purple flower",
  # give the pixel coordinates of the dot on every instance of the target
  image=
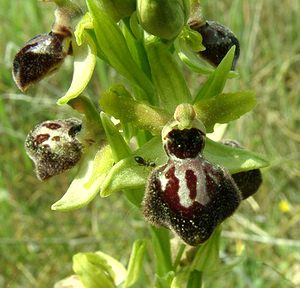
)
(189, 195)
(53, 147)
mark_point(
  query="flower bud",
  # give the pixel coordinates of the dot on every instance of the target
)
(217, 39)
(248, 181)
(53, 147)
(163, 18)
(40, 57)
(118, 9)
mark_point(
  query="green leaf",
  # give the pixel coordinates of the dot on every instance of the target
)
(117, 102)
(135, 262)
(98, 270)
(84, 64)
(128, 174)
(115, 49)
(216, 81)
(119, 147)
(233, 159)
(86, 185)
(167, 76)
(224, 108)
(207, 256)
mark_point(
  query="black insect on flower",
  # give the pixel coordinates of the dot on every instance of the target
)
(247, 181)
(53, 147)
(40, 57)
(189, 195)
(143, 162)
(217, 39)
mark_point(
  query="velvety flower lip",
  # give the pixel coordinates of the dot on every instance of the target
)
(53, 147)
(189, 195)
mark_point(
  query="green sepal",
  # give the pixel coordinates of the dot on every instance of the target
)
(135, 263)
(119, 147)
(92, 171)
(98, 270)
(207, 257)
(224, 108)
(117, 102)
(167, 76)
(233, 159)
(216, 81)
(114, 46)
(128, 174)
(85, 53)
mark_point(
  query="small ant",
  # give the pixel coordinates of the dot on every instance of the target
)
(141, 161)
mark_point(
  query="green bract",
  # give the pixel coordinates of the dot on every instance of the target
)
(163, 18)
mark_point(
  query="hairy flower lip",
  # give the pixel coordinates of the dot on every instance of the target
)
(53, 147)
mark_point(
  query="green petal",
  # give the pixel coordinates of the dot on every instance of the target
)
(86, 184)
(84, 64)
(128, 174)
(233, 159)
(224, 108)
(117, 102)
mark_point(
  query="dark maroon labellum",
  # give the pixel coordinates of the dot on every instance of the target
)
(53, 147)
(41, 56)
(189, 195)
(218, 40)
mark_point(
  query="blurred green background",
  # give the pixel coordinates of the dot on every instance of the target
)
(37, 244)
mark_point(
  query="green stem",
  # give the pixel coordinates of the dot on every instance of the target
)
(195, 279)
(179, 255)
(162, 250)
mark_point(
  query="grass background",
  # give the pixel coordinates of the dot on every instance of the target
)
(37, 244)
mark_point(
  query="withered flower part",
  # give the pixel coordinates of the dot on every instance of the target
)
(53, 147)
(248, 181)
(40, 57)
(217, 39)
(189, 195)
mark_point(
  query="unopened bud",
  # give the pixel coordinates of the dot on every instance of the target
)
(40, 57)
(163, 18)
(217, 39)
